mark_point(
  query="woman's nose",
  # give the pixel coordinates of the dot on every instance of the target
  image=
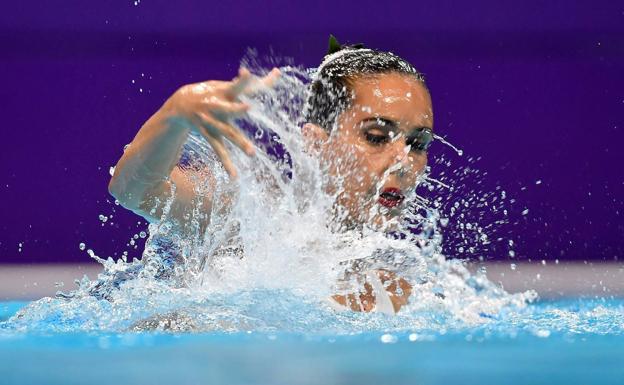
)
(403, 162)
(399, 159)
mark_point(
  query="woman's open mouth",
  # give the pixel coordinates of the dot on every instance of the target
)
(391, 197)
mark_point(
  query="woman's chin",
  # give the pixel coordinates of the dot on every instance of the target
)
(386, 219)
(377, 217)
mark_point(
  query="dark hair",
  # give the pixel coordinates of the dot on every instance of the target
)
(330, 92)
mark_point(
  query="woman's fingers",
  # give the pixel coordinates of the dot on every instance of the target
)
(269, 79)
(239, 83)
(218, 146)
(210, 122)
(247, 83)
(230, 132)
(223, 106)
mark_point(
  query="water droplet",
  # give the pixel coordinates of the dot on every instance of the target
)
(389, 339)
(542, 333)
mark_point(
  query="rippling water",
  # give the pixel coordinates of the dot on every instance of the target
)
(573, 342)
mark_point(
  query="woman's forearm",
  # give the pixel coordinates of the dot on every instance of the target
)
(150, 158)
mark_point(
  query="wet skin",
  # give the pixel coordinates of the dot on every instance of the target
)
(372, 148)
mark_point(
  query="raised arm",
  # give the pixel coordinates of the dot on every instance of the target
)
(146, 175)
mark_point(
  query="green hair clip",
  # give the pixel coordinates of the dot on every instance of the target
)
(334, 46)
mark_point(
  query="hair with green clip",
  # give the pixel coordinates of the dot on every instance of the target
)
(330, 92)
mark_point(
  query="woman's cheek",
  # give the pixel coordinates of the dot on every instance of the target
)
(421, 163)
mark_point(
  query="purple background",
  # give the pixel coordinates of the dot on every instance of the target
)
(534, 88)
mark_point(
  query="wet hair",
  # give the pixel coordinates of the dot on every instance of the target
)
(331, 90)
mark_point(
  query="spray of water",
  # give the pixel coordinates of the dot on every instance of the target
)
(277, 249)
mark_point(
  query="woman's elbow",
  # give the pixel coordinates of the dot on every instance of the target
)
(121, 193)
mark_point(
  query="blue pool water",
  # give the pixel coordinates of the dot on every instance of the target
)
(565, 342)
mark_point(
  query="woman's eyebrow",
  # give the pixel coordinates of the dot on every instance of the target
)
(385, 122)
(392, 124)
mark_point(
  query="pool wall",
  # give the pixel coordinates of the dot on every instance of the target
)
(551, 281)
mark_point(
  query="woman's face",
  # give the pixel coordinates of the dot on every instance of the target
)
(375, 155)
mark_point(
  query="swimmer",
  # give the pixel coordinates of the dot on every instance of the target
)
(368, 119)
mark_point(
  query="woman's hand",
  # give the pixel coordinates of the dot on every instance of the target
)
(143, 177)
(211, 105)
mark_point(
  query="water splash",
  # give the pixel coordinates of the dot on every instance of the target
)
(457, 150)
(277, 249)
